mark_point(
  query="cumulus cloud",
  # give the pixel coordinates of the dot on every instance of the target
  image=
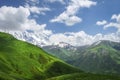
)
(116, 17)
(17, 19)
(112, 24)
(69, 17)
(68, 20)
(100, 23)
(13, 18)
(115, 22)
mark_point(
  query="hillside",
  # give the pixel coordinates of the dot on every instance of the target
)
(23, 61)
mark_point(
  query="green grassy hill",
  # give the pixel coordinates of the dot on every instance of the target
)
(23, 61)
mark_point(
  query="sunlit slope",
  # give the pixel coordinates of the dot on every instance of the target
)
(22, 61)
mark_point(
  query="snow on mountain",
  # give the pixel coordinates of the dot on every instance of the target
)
(63, 44)
(39, 39)
(34, 38)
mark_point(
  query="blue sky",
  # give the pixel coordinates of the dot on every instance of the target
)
(103, 10)
(55, 18)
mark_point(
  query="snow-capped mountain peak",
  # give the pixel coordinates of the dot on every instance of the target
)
(63, 44)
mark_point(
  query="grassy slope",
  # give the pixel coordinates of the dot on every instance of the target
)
(20, 60)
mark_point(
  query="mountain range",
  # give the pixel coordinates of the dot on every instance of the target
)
(100, 57)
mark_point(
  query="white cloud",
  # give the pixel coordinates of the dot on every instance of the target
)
(111, 24)
(116, 17)
(13, 18)
(17, 19)
(61, 1)
(100, 23)
(68, 20)
(115, 24)
(69, 17)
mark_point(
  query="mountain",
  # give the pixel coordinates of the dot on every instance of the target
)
(23, 61)
(100, 57)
